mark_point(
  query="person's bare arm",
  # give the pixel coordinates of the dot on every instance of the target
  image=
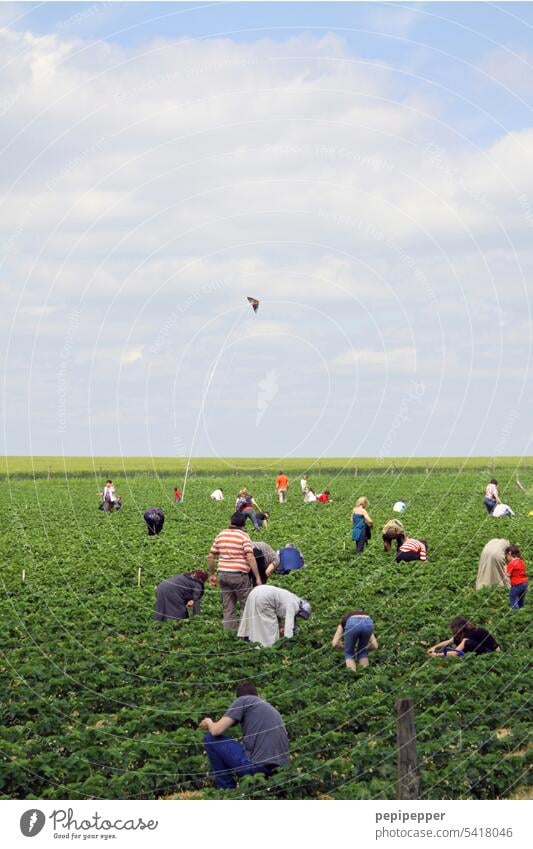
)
(253, 566)
(211, 561)
(337, 637)
(216, 728)
(440, 645)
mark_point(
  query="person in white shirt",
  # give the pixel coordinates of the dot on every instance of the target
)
(109, 496)
(304, 484)
(501, 510)
(217, 495)
(309, 496)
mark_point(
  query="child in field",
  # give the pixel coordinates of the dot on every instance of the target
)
(356, 628)
(492, 496)
(466, 637)
(324, 497)
(177, 495)
(516, 572)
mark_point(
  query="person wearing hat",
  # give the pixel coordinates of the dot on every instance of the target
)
(176, 596)
(232, 551)
(356, 630)
(266, 607)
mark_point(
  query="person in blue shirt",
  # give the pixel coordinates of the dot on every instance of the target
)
(290, 558)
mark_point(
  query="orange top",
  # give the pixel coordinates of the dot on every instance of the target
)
(282, 482)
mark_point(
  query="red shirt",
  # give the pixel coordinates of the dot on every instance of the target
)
(323, 498)
(516, 569)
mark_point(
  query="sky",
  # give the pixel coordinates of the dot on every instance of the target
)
(364, 169)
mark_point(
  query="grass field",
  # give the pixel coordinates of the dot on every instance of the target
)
(167, 466)
(100, 701)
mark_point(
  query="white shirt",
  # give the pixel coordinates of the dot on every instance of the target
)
(217, 495)
(502, 510)
(109, 490)
(303, 484)
(399, 506)
(309, 497)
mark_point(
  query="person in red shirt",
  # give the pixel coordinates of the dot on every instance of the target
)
(324, 497)
(516, 572)
(282, 485)
(177, 495)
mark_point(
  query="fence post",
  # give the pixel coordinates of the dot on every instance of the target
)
(408, 777)
(49, 472)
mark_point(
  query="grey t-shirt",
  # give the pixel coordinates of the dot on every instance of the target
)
(264, 735)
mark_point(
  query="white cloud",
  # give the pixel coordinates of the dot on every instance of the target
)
(394, 360)
(131, 356)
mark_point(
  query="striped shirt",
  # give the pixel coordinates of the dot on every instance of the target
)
(415, 545)
(230, 548)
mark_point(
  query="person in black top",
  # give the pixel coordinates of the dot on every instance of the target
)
(155, 519)
(466, 638)
(175, 596)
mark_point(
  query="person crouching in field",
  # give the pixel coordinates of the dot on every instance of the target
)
(176, 596)
(265, 608)
(412, 549)
(362, 524)
(109, 497)
(492, 496)
(232, 550)
(356, 628)
(264, 747)
(516, 572)
(155, 519)
(393, 530)
(466, 637)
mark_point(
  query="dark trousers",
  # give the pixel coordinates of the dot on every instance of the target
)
(154, 523)
(517, 596)
(490, 504)
(407, 556)
(363, 539)
(227, 756)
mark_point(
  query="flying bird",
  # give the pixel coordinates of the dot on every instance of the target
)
(254, 303)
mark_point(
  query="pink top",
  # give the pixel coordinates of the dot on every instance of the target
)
(492, 491)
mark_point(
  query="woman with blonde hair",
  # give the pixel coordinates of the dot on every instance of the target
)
(362, 524)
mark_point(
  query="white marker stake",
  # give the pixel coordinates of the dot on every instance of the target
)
(344, 546)
(23, 576)
(139, 570)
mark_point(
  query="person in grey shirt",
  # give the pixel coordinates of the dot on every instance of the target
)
(267, 560)
(264, 746)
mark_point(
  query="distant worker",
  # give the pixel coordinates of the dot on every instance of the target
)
(399, 507)
(177, 495)
(264, 747)
(324, 497)
(217, 494)
(290, 559)
(491, 569)
(248, 506)
(362, 524)
(466, 637)
(267, 607)
(109, 497)
(176, 596)
(492, 496)
(232, 550)
(304, 485)
(393, 530)
(282, 485)
(356, 628)
(155, 519)
(309, 496)
(516, 572)
(412, 549)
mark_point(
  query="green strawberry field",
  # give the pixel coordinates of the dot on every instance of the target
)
(101, 701)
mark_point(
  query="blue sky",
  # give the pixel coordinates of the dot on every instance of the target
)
(364, 169)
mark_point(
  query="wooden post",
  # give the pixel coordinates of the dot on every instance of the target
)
(408, 777)
(49, 472)
(355, 472)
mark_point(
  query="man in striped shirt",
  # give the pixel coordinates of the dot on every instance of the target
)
(413, 549)
(233, 551)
